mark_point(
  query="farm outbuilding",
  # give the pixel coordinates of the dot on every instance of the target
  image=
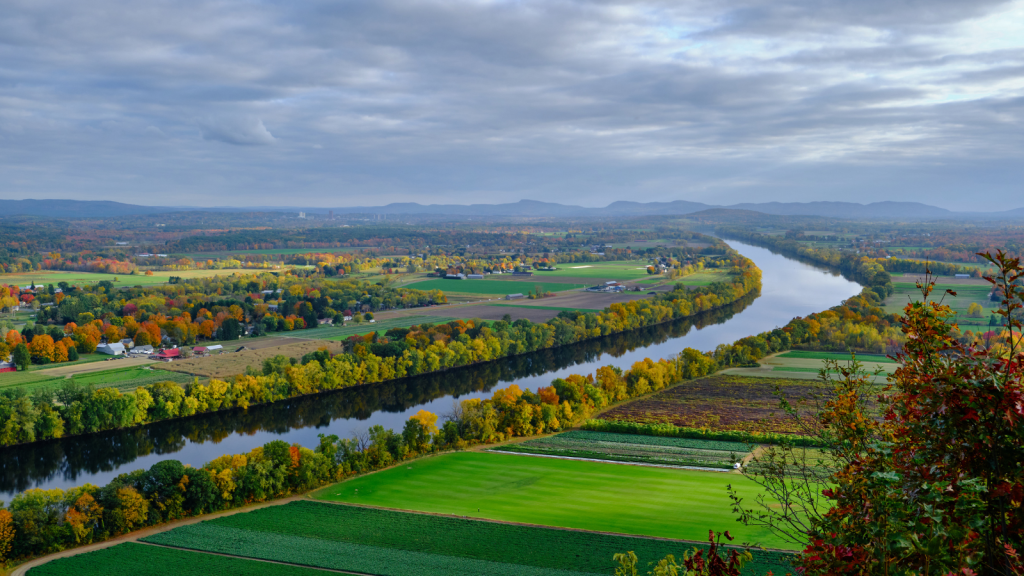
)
(114, 349)
(513, 296)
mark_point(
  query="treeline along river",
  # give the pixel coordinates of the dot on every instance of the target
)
(789, 288)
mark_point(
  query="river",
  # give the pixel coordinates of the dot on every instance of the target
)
(789, 288)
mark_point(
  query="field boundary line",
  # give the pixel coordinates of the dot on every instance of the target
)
(331, 570)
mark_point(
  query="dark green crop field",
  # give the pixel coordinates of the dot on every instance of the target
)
(634, 448)
(394, 543)
(131, 559)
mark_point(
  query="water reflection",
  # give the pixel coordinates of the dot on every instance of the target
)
(790, 288)
(95, 456)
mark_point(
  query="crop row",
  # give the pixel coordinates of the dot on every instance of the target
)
(655, 440)
(444, 536)
(623, 448)
(335, 555)
(132, 559)
(669, 460)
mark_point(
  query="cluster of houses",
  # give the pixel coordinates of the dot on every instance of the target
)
(127, 348)
(610, 286)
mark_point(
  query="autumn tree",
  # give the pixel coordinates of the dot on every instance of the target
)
(6, 534)
(930, 480)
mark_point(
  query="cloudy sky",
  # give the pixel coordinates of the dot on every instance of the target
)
(341, 103)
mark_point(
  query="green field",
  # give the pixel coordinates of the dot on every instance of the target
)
(643, 500)
(362, 328)
(45, 277)
(704, 278)
(128, 379)
(807, 354)
(131, 559)
(619, 270)
(395, 543)
(634, 448)
(491, 287)
(124, 379)
(966, 295)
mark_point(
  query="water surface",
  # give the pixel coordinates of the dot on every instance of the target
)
(789, 288)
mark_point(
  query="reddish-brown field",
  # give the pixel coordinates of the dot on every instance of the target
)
(720, 402)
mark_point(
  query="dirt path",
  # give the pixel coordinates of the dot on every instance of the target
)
(23, 569)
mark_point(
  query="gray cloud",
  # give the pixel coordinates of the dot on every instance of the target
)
(470, 101)
(241, 131)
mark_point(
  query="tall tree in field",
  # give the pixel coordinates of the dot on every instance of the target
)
(21, 356)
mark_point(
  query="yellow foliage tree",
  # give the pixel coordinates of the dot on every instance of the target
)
(6, 534)
(428, 420)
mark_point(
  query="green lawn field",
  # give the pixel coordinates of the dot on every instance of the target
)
(363, 328)
(642, 500)
(619, 270)
(44, 277)
(492, 287)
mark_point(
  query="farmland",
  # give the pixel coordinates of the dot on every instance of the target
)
(394, 543)
(968, 292)
(351, 329)
(620, 270)
(227, 365)
(44, 277)
(662, 502)
(123, 376)
(131, 559)
(720, 402)
(492, 287)
(269, 252)
(634, 448)
(806, 365)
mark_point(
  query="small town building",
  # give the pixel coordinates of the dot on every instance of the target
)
(475, 276)
(168, 354)
(114, 349)
(455, 276)
(127, 342)
(142, 350)
(214, 348)
(200, 351)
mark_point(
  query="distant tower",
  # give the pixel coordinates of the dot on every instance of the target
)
(302, 214)
(330, 214)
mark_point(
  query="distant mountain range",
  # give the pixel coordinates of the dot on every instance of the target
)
(524, 208)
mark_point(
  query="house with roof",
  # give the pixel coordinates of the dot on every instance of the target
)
(113, 349)
(167, 354)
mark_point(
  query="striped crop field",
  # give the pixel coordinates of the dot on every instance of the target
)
(634, 448)
(395, 543)
(131, 559)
